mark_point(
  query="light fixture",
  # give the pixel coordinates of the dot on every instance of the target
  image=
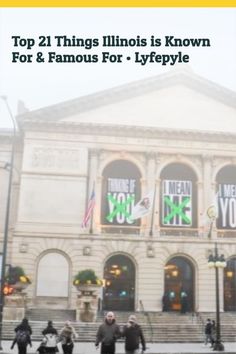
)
(175, 273)
(229, 274)
(211, 261)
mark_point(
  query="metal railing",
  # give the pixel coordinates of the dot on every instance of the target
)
(148, 320)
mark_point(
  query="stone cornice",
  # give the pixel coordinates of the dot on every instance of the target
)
(86, 103)
(129, 131)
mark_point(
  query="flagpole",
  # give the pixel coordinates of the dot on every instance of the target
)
(153, 211)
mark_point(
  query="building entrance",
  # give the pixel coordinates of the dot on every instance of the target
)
(179, 285)
(119, 289)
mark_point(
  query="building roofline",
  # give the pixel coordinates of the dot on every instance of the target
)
(89, 102)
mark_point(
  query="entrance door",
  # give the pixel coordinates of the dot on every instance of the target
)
(179, 278)
(230, 286)
(119, 289)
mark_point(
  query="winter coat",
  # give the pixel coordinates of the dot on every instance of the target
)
(67, 335)
(49, 330)
(24, 327)
(108, 333)
(208, 328)
(133, 335)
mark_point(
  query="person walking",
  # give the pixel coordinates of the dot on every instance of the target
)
(165, 302)
(213, 333)
(49, 342)
(23, 336)
(133, 334)
(183, 301)
(208, 327)
(107, 334)
(67, 336)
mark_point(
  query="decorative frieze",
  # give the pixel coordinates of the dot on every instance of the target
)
(52, 158)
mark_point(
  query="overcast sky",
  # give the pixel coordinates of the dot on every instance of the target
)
(43, 84)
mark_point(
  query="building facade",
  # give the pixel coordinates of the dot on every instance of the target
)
(172, 137)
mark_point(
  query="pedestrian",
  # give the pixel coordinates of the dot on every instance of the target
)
(208, 327)
(133, 334)
(213, 333)
(23, 336)
(67, 337)
(107, 334)
(183, 301)
(49, 342)
(165, 302)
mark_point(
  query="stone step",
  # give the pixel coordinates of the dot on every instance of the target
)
(158, 333)
(50, 314)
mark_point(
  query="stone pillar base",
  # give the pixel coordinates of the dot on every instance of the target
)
(13, 313)
(87, 306)
(85, 316)
(14, 308)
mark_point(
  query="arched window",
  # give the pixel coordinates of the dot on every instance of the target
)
(178, 199)
(226, 188)
(119, 289)
(230, 285)
(179, 278)
(53, 275)
(120, 192)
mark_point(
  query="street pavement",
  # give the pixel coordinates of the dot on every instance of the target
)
(152, 348)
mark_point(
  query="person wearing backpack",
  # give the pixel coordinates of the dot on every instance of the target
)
(49, 342)
(67, 336)
(23, 336)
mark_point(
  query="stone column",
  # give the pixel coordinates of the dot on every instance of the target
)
(143, 221)
(208, 191)
(201, 209)
(151, 178)
(92, 181)
(157, 199)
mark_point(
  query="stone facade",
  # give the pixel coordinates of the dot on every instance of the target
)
(177, 118)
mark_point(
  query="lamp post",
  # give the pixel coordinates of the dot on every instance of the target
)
(6, 224)
(217, 262)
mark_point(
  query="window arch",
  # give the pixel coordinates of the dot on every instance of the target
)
(178, 199)
(119, 289)
(179, 277)
(53, 275)
(121, 190)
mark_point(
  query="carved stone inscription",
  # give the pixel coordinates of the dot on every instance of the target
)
(52, 158)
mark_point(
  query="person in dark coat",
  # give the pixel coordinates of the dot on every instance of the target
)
(23, 336)
(49, 342)
(67, 336)
(208, 326)
(183, 301)
(133, 335)
(165, 302)
(213, 333)
(107, 334)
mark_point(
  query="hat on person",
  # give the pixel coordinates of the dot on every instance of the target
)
(132, 318)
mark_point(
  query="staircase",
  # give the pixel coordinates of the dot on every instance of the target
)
(51, 314)
(165, 327)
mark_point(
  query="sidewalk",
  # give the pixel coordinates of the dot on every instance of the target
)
(153, 348)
